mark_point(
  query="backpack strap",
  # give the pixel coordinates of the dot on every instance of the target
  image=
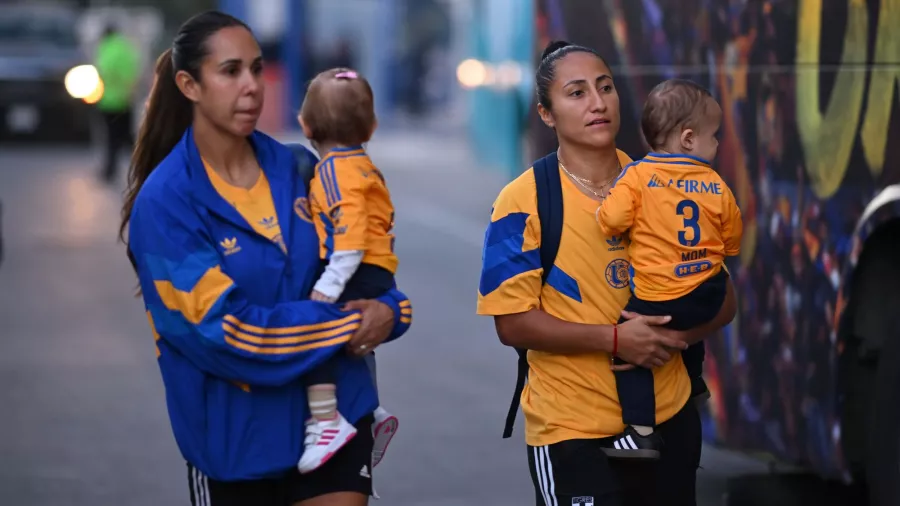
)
(550, 215)
(550, 211)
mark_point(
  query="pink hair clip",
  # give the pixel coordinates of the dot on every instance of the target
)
(346, 75)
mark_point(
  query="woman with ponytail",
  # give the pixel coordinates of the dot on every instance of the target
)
(567, 320)
(219, 232)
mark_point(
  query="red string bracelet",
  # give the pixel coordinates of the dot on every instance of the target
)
(615, 339)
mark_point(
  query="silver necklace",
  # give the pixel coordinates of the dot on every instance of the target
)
(583, 181)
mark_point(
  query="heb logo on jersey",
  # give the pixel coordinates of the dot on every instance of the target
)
(691, 268)
(687, 185)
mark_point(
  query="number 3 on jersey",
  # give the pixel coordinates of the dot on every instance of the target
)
(690, 222)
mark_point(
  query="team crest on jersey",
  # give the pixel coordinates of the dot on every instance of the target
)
(301, 207)
(617, 273)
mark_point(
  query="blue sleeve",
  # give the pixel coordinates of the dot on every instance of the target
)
(197, 309)
(402, 308)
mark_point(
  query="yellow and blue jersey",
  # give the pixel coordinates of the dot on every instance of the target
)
(682, 221)
(227, 307)
(352, 208)
(254, 204)
(566, 396)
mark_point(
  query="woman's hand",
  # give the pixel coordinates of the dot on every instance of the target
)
(640, 344)
(376, 326)
(695, 335)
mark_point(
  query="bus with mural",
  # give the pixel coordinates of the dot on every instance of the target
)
(808, 373)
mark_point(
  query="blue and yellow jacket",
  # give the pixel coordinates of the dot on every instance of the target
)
(228, 310)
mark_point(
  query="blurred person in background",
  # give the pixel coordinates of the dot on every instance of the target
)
(426, 28)
(567, 318)
(221, 237)
(341, 55)
(118, 63)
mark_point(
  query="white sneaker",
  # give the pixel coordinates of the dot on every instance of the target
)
(385, 427)
(323, 440)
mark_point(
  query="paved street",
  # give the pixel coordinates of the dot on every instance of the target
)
(86, 421)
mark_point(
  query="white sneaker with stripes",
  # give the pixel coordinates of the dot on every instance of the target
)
(631, 445)
(323, 440)
(385, 427)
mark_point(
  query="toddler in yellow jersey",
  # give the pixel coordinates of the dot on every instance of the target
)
(353, 214)
(682, 221)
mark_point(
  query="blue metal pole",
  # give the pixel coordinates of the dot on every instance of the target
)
(386, 58)
(236, 8)
(293, 62)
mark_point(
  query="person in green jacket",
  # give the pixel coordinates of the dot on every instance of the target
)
(118, 63)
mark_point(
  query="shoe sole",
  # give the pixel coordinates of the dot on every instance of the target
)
(328, 455)
(384, 433)
(632, 454)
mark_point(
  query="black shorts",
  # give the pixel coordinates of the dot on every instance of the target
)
(577, 472)
(350, 470)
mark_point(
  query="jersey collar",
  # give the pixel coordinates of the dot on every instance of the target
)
(342, 153)
(676, 159)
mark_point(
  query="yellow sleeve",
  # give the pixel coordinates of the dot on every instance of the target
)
(617, 211)
(511, 262)
(732, 224)
(341, 193)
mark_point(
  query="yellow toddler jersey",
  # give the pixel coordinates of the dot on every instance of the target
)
(255, 205)
(682, 221)
(352, 208)
(566, 396)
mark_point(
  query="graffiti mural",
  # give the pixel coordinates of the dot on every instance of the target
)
(809, 94)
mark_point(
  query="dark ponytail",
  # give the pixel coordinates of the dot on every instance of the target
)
(546, 71)
(169, 113)
(167, 116)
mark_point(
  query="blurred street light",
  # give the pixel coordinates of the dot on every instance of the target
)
(95, 95)
(474, 73)
(471, 73)
(82, 81)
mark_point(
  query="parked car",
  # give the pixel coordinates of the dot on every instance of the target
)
(38, 46)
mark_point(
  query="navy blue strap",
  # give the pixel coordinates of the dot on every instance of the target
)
(550, 209)
(550, 214)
